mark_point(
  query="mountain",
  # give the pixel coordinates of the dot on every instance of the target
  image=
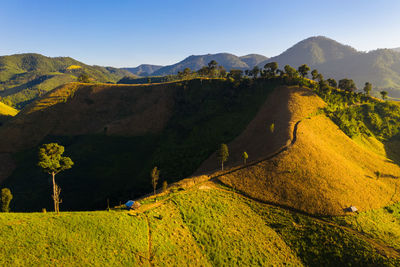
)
(253, 59)
(24, 77)
(144, 69)
(313, 51)
(380, 67)
(195, 63)
(396, 49)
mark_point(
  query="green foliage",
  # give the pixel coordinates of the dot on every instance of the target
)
(357, 114)
(270, 69)
(367, 88)
(383, 94)
(84, 78)
(314, 74)
(347, 85)
(223, 154)
(291, 72)
(51, 159)
(5, 197)
(303, 70)
(272, 127)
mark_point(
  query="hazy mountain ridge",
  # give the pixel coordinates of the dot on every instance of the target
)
(229, 61)
(144, 69)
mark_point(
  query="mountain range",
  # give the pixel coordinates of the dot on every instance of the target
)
(24, 77)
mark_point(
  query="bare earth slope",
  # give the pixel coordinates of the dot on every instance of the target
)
(321, 171)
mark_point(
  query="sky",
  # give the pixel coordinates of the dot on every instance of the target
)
(127, 33)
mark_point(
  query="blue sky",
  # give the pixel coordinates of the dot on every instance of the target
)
(128, 33)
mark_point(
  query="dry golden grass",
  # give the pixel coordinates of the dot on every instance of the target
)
(323, 172)
(74, 67)
(7, 110)
(284, 107)
(76, 109)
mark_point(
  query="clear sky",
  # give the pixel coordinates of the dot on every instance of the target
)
(129, 32)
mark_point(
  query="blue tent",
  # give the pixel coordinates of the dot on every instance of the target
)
(129, 204)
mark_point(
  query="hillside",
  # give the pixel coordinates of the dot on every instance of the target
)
(317, 169)
(24, 76)
(396, 49)
(228, 61)
(253, 59)
(117, 133)
(338, 61)
(313, 51)
(144, 69)
(205, 225)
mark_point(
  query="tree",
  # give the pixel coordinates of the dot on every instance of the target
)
(164, 186)
(314, 74)
(290, 71)
(367, 88)
(245, 157)
(332, 82)
(272, 127)
(347, 85)
(271, 68)
(6, 198)
(52, 162)
(236, 74)
(255, 71)
(84, 78)
(223, 154)
(155, 174)
(303, 70)
(384, 94)
(222, 71)
(212, 64)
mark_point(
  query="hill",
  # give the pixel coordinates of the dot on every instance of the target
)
(313, 51)
(205, 224)
(396, 49)
(253, 59)
(228, 61)
(24, 77)
(317, 169)
(123, 131)
(144, 69)
(338, 61)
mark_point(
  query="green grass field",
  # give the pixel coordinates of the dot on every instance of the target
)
(201, 226)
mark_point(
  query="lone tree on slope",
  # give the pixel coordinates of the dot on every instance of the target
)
(245, 157)
(155, 175)
(384, 94)
(367, 88)
(6, 198)
(223, 154)
(52, 162)
(271, 68)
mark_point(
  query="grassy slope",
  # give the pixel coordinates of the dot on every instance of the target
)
(323, 172)
(118, 167)
(22, 75)
(205, 225)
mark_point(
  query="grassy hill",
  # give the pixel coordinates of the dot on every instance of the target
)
(315, 167)
(205, 225)
(24, 77)
(117, 133)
